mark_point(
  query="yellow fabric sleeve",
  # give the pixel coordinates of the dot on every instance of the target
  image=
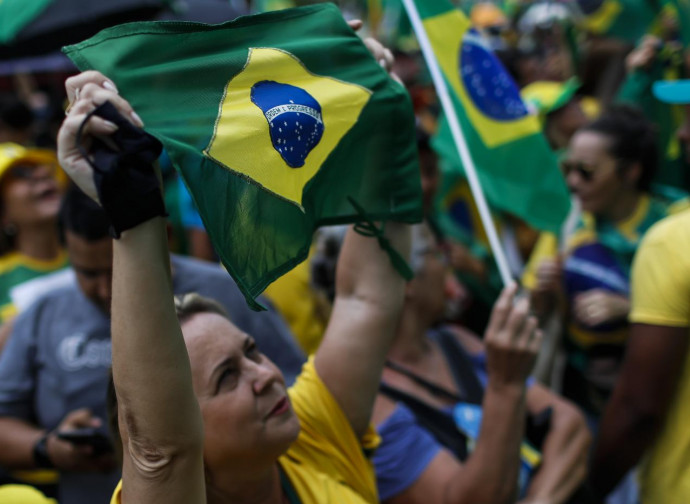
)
(327, 441)
(661, 275)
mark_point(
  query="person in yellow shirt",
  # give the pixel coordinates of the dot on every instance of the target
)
(204, 416)
(22, 494)
(646, 419)
(30, 193)
(609, 169)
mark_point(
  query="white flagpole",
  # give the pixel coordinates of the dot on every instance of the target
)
(460, 143)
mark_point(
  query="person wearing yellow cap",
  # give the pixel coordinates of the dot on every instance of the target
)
(30, 193)
(560, 111)
(22, 494)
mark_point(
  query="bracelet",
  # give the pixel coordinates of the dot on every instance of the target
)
(41, 457)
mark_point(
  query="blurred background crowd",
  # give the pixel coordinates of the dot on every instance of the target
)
(604, 77)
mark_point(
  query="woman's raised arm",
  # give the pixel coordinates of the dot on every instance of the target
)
(160, 421)
(369, 298)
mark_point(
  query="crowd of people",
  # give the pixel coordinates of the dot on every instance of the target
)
(132, 369)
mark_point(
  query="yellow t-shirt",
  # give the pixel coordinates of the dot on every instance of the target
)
(661, 296)
(327, 463)
(300, 306)
(23, 494)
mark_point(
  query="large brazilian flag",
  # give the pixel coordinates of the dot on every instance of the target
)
(278, 123)
(516, 168)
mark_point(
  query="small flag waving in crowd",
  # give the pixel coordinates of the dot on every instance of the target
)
(277, 122)
(517, 169)
(622, 19)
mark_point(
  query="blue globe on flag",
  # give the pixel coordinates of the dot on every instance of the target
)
(294, 119)
(488, 84)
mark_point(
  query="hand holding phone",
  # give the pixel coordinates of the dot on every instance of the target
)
(87, 436)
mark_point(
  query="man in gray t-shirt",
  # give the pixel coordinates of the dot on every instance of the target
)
(54, 369)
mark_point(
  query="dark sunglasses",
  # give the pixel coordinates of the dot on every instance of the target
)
(583, 170)
(26, 171)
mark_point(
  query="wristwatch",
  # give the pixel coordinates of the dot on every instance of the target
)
(41, 458)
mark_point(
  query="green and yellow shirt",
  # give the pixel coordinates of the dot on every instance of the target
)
(17, 268)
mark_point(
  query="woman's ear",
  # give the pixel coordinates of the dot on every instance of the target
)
(632, 173)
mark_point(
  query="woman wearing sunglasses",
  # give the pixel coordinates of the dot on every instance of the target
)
(29, 203)
(609, 168)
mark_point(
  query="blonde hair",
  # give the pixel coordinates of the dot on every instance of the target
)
(188, 305)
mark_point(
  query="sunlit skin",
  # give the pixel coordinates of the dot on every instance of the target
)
(92, 262)
(611, 193)
(239, 390)
(30, 195)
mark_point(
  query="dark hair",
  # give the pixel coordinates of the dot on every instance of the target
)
(82, 216)
(633, 140)
(14, 113)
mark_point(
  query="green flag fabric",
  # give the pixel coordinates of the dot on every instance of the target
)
(516, 167)
(682, 14)
(278, 123)
(626, 20)
(16, 14)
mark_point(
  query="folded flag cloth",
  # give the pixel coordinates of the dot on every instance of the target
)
(278, 123)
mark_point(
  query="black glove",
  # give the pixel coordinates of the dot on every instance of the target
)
(127, 185)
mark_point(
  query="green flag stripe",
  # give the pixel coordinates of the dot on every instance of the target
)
(209, 94)
(16, 14)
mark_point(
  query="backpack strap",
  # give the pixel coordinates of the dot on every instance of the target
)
(438, 423)
(432, 388)
(461, 366)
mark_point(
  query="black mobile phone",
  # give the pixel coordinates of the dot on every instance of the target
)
(87, 436)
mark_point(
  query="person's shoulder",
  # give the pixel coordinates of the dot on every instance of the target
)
(212, 280)
(9, 261)
(206, 278)
(184, 265)
(55, 300)
(673, 228)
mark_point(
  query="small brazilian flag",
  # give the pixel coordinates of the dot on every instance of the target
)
(626, 20)
(279, 123)
(682, 15)
(516, 168)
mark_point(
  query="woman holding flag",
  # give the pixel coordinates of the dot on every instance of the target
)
(204, 416)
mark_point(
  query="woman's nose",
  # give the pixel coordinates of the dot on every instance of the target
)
(263, 378)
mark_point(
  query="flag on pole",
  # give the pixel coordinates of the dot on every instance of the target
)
(682, 14)
(515, 165)
(279, 123)
(622, 19)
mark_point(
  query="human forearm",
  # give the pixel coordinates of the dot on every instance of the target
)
(492, 469)
(625, 433)
(17, 440)
(564, 452)
(646, 386)
(369, 297)
(150, 364)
